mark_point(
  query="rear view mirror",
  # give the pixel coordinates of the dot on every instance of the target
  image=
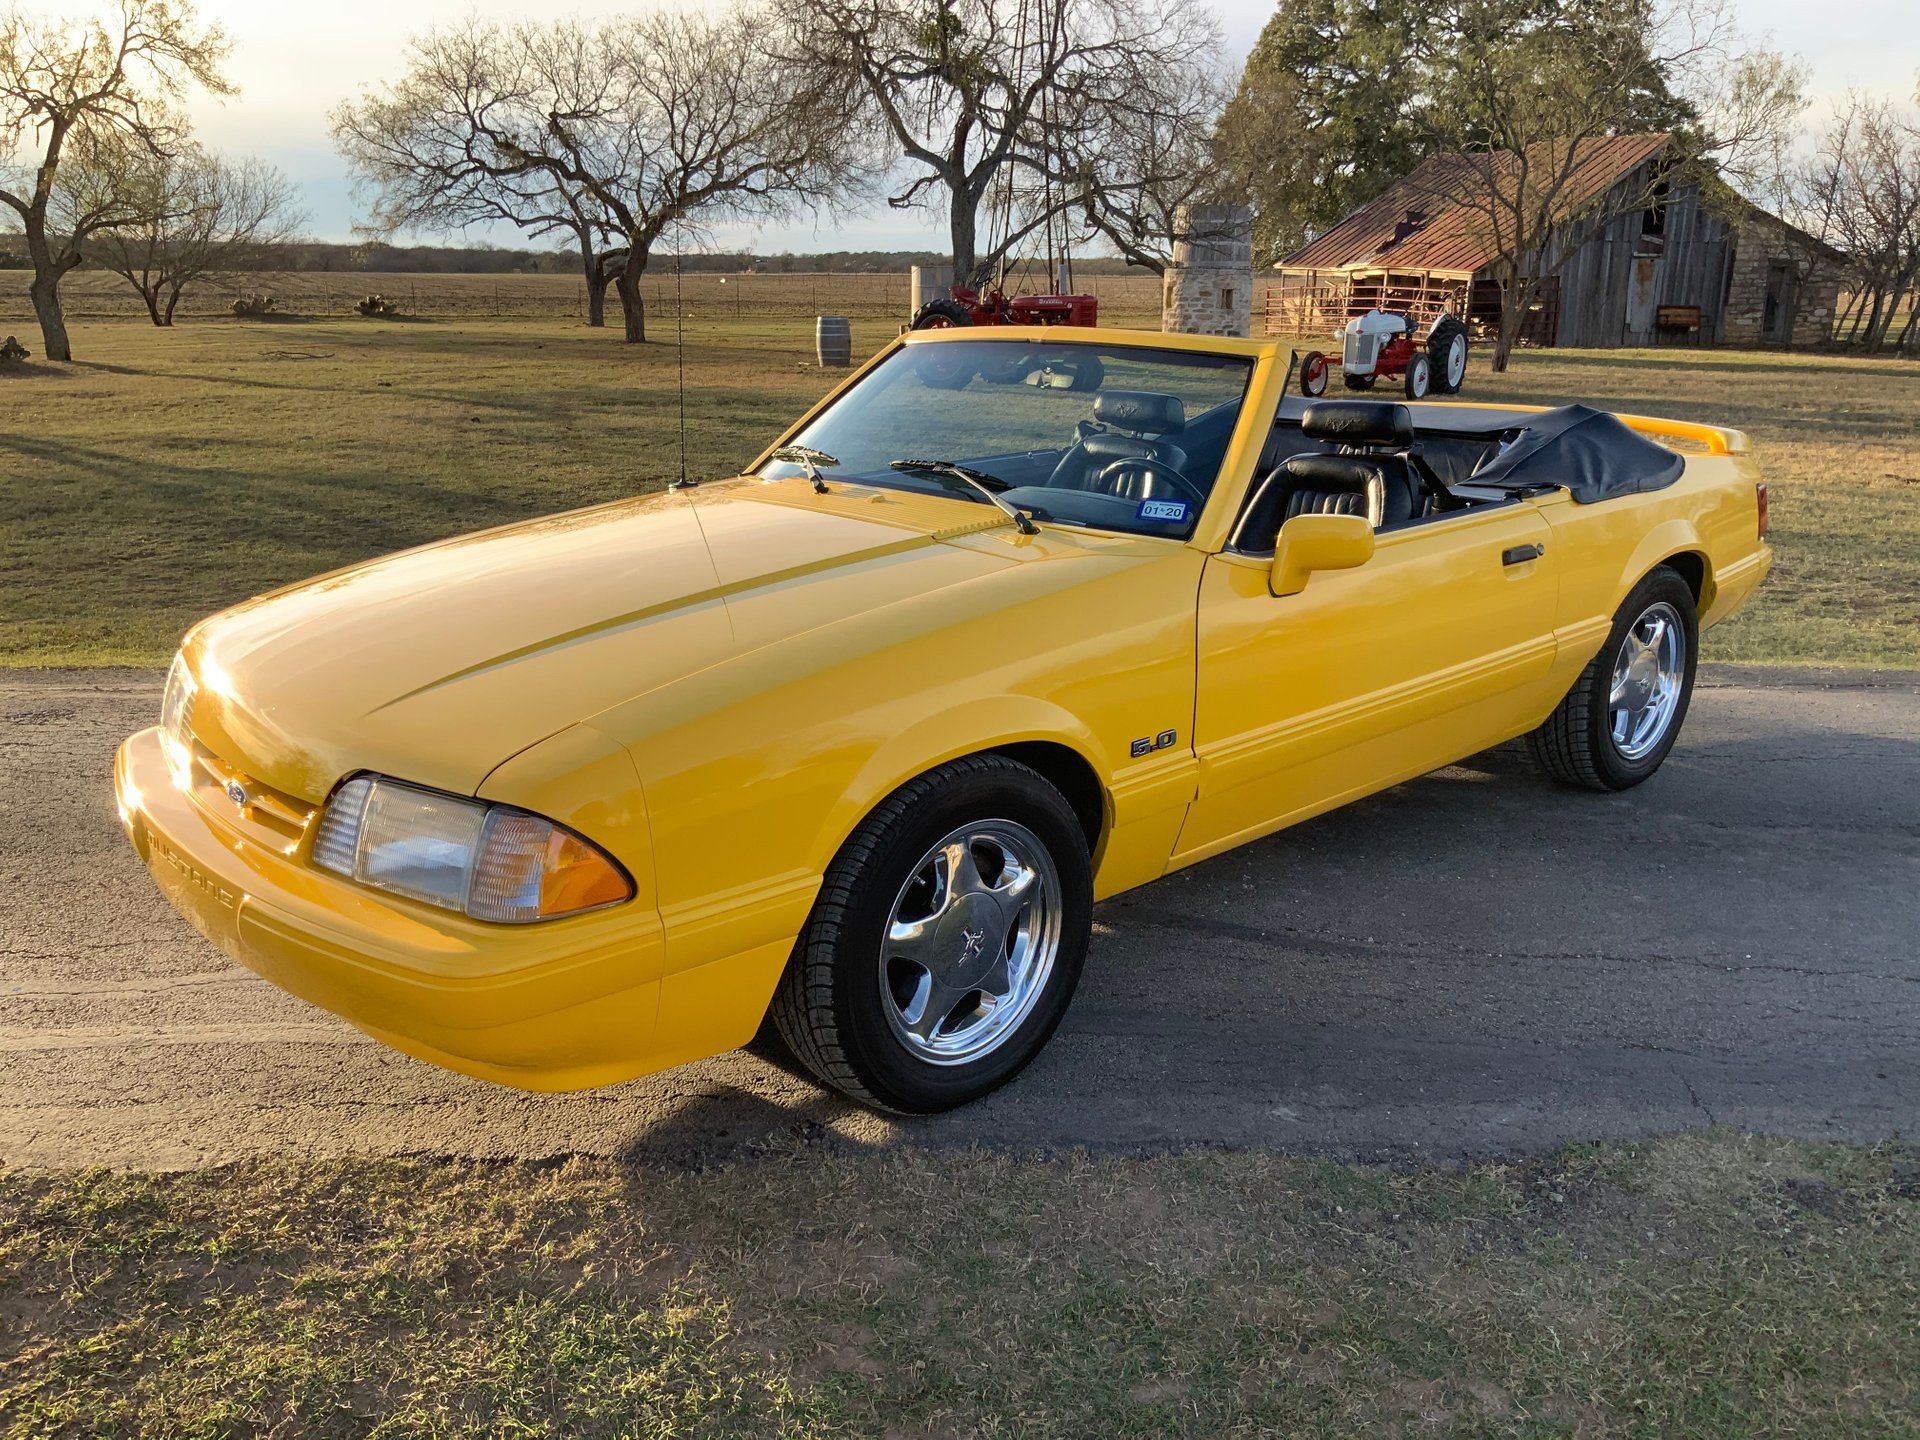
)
(1318, 542)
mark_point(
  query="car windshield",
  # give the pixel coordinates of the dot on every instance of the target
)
(1113, 437)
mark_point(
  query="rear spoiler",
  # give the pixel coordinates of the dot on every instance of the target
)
(1714, 439)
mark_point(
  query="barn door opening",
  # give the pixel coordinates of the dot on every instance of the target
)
(1776, 321)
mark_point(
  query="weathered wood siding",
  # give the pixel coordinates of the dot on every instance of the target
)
(1610, 292)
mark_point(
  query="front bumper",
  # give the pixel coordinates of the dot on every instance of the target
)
(558, 1006)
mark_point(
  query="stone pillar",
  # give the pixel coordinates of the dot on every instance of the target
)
(1209, 286)
(930, 282)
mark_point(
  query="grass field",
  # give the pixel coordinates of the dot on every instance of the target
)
(172, 472)
(1704, 1286)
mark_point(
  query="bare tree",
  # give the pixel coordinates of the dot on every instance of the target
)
(983, 98)
(1861, 187)
(99, 90)
(416, 146)
(1149, 162)
(195, 215)
(621, 133)
(1529, 97)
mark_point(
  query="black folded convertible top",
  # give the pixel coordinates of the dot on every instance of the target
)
(1590, 452)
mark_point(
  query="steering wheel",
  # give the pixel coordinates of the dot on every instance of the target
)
(1148, 469)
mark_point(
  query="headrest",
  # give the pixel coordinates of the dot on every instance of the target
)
(1142, 411)
(1359, 422)
(1331, 472)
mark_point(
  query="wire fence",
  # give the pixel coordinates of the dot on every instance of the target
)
(1129, 299)
(98, 296)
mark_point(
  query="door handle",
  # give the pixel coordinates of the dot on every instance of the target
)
(1520, 554)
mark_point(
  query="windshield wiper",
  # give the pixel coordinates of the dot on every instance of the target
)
(809, 461)
(979, 479)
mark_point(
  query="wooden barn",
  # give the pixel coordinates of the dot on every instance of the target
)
(1650, 258)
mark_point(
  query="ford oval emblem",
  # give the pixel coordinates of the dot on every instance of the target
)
(237, 793)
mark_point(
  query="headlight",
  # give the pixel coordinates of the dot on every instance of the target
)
(487, 861)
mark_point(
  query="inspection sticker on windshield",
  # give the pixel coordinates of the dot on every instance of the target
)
(1163, 510)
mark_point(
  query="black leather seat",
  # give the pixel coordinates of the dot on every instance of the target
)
(1367, 473)
(1126, 425)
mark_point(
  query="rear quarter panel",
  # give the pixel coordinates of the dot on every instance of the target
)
(1606, 548)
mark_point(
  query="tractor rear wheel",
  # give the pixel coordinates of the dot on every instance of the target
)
(1447, 354)
(941, 313)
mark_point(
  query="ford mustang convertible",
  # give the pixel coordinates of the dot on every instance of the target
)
(841, 751)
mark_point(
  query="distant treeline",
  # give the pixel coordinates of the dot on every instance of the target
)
(324, 257)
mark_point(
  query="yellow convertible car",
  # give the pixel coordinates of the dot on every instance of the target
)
(845, 748)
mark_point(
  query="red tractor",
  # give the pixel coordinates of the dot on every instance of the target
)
(965, 306)
(1070, 369)
(1384, 343)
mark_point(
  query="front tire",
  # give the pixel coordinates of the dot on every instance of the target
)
(1313, 375)
(1622, 716)
(946, 942)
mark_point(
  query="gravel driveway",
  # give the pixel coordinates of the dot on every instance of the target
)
(1475, 963)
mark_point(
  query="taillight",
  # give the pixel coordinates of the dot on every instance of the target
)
(1760, 498)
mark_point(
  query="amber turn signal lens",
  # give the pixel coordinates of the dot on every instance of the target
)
(531, 869)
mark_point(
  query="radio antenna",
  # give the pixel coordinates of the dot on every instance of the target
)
(680, 357)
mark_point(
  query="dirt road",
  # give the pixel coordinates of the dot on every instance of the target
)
(1473, 963)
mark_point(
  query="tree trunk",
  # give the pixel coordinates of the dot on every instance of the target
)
(173, 299)
(45, 291)
(1508, 330)
(962, 226)
(596, 278)
(151, 294)
(633, 311)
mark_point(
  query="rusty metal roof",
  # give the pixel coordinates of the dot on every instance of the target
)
(1419, 224)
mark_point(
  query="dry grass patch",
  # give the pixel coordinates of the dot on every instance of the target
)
(1707, 1285)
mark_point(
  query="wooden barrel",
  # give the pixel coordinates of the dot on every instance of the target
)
(833, 341)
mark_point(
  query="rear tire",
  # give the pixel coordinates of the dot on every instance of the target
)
(846, 1005)
(1622, 716)
(1447, 354)
(941, 313)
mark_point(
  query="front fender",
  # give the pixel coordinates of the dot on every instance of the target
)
(949, 735)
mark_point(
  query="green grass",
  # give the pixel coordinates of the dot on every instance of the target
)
(173, 472)
(1706, 1285)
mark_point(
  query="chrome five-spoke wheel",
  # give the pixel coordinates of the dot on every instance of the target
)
(946, 941)
(1648, 676)
(971, 942)
(1622, 715)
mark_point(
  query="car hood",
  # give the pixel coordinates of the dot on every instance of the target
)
(439, 663)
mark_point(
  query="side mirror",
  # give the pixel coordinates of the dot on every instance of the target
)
(1318, 542)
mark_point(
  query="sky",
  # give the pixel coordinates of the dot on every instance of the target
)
(294, 63)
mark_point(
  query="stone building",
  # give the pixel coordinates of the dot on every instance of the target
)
(1209, 285)
(1782, 284)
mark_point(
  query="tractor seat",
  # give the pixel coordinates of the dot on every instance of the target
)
(1126, 425)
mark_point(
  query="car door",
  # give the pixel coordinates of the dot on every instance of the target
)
(1431, 650)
